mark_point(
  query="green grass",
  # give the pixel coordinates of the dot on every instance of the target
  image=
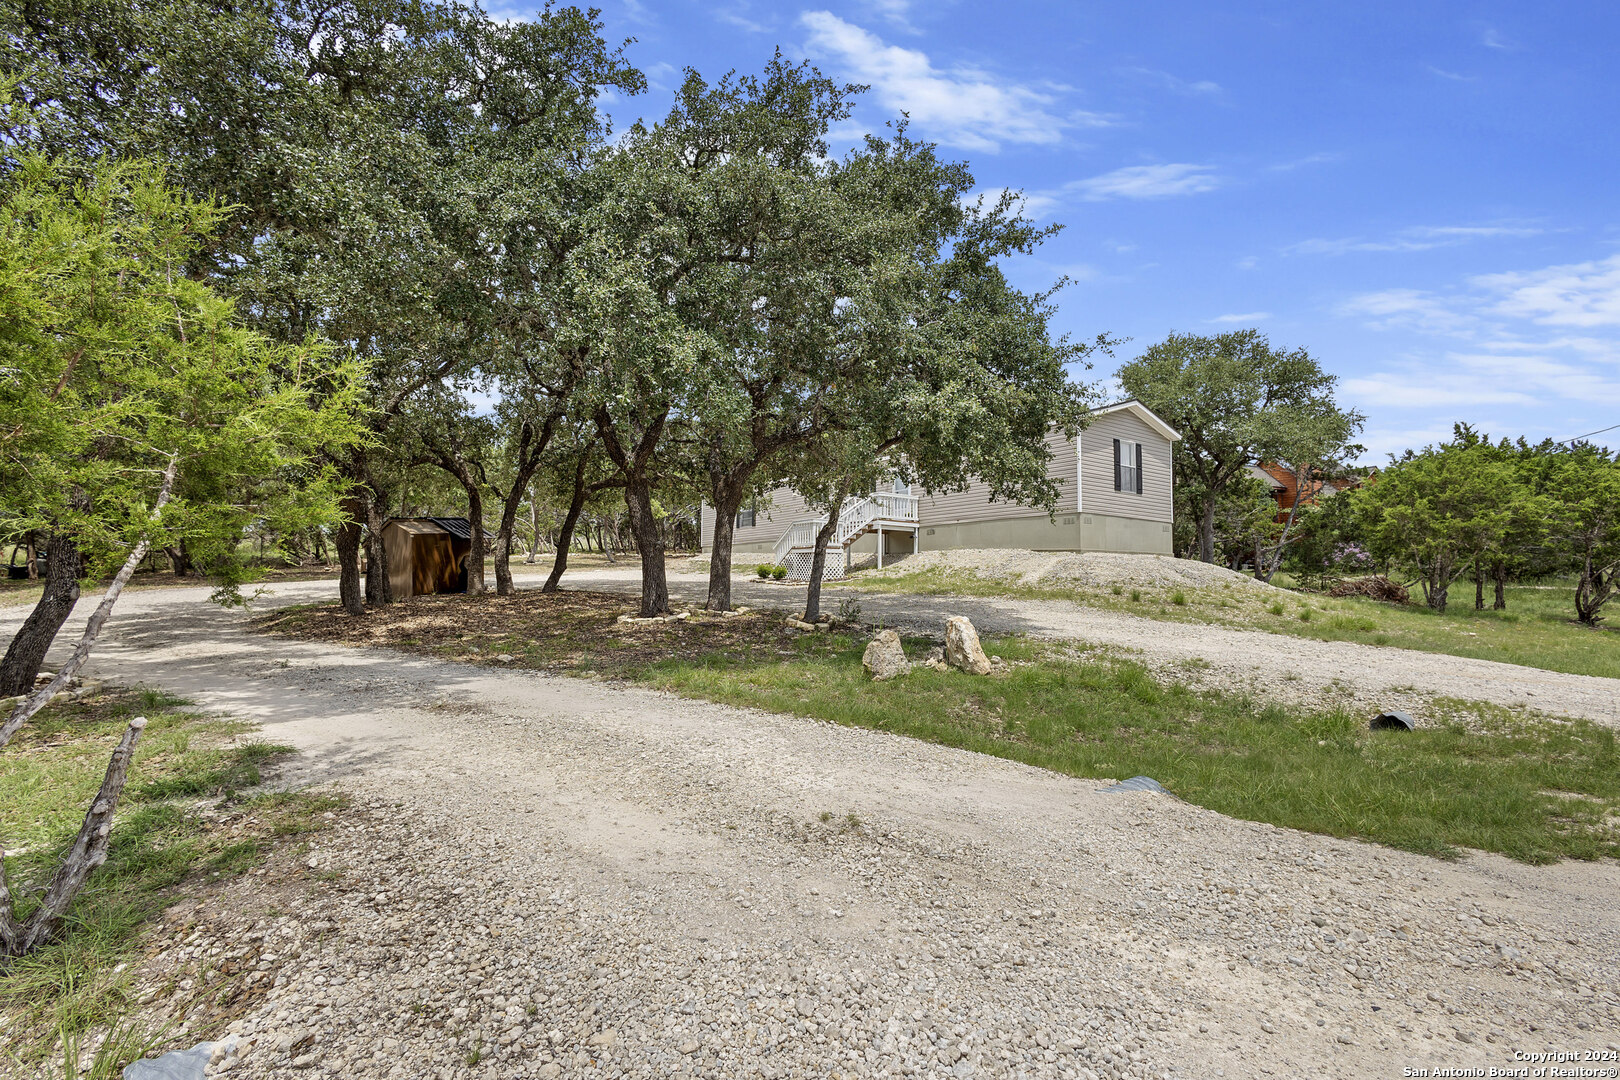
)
(1490, 779)
(74, 987)
(1537, 630)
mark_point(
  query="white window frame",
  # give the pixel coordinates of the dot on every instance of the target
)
(1129, 482)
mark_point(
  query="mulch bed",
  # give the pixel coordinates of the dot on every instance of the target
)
(566, 630)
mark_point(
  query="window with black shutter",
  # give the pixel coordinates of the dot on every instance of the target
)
(1127, 466)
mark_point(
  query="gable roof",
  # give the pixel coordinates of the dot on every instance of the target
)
(1142, 413)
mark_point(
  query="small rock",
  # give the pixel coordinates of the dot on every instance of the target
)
(885, 657)
(505, 658)
(962, 648)
(685, 1048)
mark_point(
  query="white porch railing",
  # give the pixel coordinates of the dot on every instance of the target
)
(858, 515)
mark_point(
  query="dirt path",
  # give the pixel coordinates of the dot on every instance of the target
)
(1274, 665)
(550, 876)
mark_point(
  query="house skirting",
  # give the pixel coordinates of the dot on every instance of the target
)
(1070, 532)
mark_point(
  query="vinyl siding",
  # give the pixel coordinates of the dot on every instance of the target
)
(1157, 501)
(776, 512)
(974, 503)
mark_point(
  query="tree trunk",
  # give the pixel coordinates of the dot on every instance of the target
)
(534, 528)
(377, 588)
(1479, 585)
(1437, 579)
(650, 545)
(818, 561)
(33, 557)
(1499, 572)
(26, 654)
(507, 532)
(1595, 588)
(92, 626)
(89, 851)
(346, 537)
(475, 556)
(565, 535)
(179, 561)
(1206, 531)
(727, 500)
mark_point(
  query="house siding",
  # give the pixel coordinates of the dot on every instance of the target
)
(777, 511)
(973, 504)
(1157, 501)
(1090, 514)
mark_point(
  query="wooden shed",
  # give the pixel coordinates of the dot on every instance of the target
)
(425, 555)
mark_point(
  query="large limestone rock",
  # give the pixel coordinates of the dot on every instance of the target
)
(885, 658)
(962, 649)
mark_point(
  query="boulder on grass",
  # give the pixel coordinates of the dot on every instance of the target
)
(962, 648)
(884, 657)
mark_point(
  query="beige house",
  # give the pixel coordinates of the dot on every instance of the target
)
(1116, 495)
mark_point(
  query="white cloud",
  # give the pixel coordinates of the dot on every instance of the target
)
(1309, 159)
(1416, 238)
(895, 12)
(1408, 309)
(1452, 75)
(963, 106)
(1490, 340)
(1147, 182)
(1581, 295)
(1246, 317)
(1394, 390)
(1176, 84)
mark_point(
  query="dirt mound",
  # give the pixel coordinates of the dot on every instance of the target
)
(1058, 568)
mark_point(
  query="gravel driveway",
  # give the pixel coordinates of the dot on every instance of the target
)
(1273, 665)
(556, 877)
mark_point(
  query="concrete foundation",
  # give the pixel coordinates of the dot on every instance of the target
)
(1070, 532)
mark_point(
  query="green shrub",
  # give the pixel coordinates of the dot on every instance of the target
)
(779, 572)
(1178, 597)
(1276, 607)
(1306, 614)
(1136, 596)
(764, 569)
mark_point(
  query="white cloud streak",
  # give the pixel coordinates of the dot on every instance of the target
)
(1147, 182)
(1491, 340)
(1416, 238)
(962, 106)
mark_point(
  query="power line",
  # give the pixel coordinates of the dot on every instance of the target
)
(1589, 434)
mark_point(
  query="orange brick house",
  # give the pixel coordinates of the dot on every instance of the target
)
(1286, 489)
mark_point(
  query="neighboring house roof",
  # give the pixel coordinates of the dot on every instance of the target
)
(1142, 413)
(1267, 478)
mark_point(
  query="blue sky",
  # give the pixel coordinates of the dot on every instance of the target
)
(1421, 194)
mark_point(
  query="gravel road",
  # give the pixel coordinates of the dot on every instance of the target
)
(556, 877)
(1274, 665)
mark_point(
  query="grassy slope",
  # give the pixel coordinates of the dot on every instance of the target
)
(1535, 791)
(47, 776)
(1538, 629)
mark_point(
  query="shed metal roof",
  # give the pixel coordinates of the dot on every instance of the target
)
(458, 527)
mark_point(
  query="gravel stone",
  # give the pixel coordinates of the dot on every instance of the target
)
(554, 859)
